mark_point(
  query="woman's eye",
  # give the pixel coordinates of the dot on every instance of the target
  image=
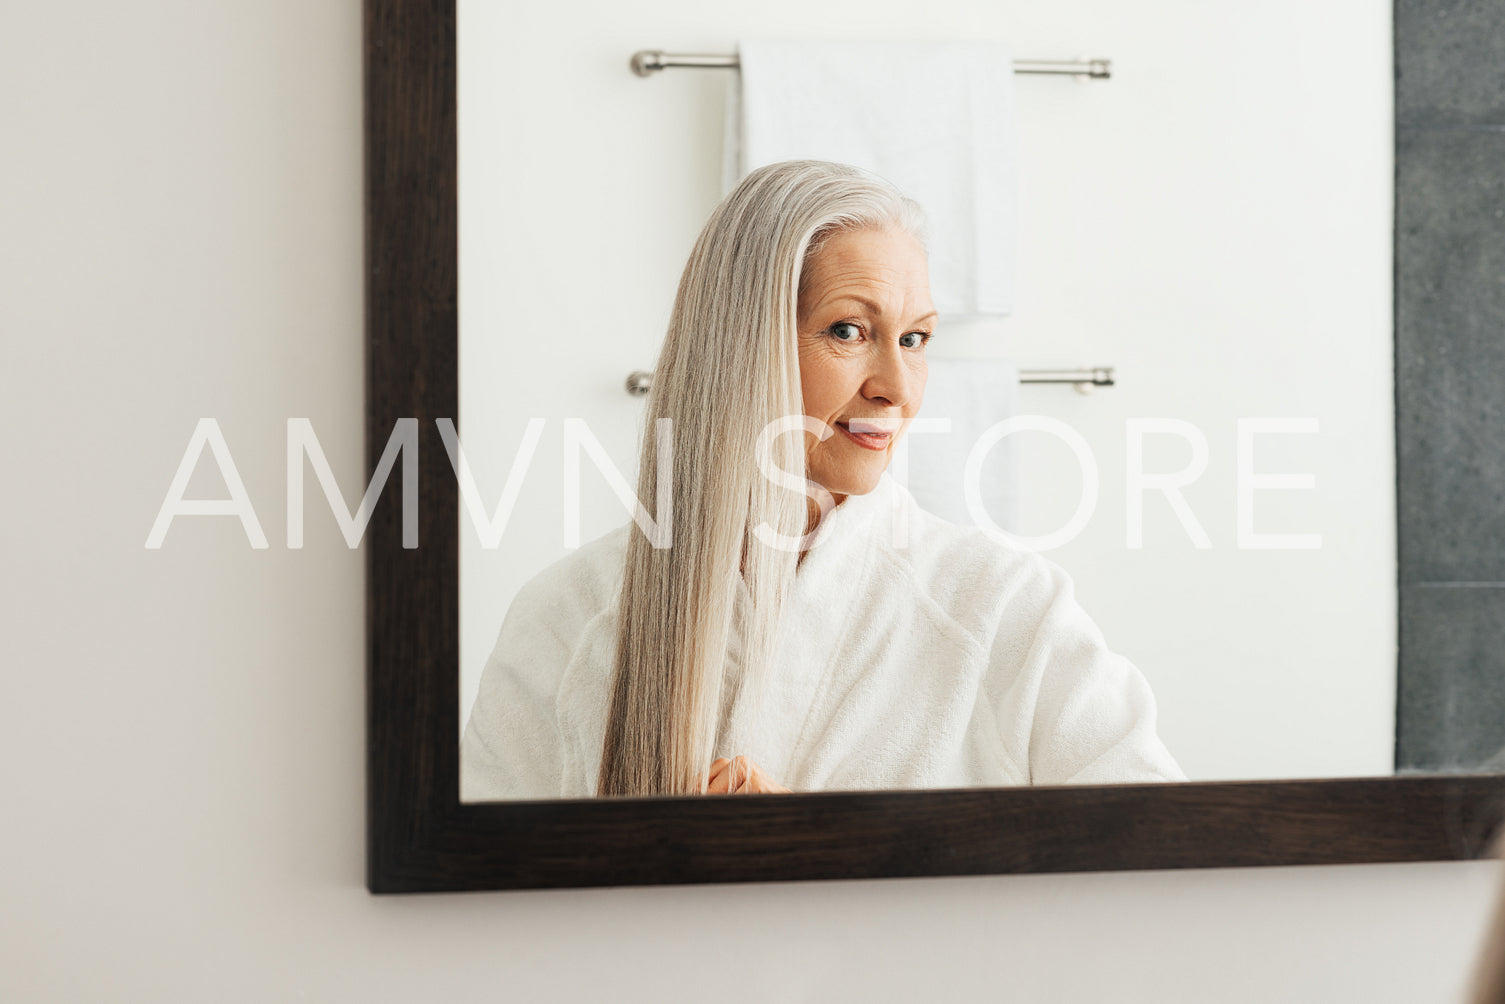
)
(845, 331)
(914, 339)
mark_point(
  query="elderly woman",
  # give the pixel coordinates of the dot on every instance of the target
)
(809, 627)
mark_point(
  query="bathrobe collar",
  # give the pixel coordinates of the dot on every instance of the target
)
(821, 611)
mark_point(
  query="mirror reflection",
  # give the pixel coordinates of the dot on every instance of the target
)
(847, 542)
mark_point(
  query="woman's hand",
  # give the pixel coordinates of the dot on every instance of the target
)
(749, 778)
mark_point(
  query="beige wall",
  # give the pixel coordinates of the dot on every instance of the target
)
(181, 730)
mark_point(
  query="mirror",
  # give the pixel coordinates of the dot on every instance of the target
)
(422, 838)
(1213, 222)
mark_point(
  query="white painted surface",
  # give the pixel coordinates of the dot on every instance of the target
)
(1215, 222)
(181, 731)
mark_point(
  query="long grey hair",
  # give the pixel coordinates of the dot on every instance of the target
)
(729, 367)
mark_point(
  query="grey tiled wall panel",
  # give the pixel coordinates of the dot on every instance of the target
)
(1452, 692)
(1448, 64)
(1450, 354)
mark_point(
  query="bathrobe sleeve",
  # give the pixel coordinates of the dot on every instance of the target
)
(1091, 715)
(512, 748)
(527, 712)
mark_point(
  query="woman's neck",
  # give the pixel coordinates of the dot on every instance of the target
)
(812, 520)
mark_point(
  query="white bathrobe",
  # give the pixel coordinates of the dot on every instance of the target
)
(947, 660)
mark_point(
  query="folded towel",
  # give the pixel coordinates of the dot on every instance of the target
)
(974, 395)
(936, 119)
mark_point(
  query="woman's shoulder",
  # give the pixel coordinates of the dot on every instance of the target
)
(579, 586)
(965, 575)
(970, 571)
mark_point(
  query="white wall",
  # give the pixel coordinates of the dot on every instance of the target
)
(181, 733)
(1215, 222)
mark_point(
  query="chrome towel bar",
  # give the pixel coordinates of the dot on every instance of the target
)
(640, 382)
(647, 62)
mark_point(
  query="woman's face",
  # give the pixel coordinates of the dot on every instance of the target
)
(864, 318)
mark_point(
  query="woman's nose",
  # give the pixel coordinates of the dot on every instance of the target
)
(891, 378)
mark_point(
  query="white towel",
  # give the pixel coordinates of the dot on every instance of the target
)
(936, 119)
(975, 395)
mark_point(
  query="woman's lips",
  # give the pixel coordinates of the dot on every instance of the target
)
(867, 440)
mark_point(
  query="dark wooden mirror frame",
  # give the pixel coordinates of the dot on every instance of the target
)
(422, 839)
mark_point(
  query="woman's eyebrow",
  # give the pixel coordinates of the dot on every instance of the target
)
(873, 307)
